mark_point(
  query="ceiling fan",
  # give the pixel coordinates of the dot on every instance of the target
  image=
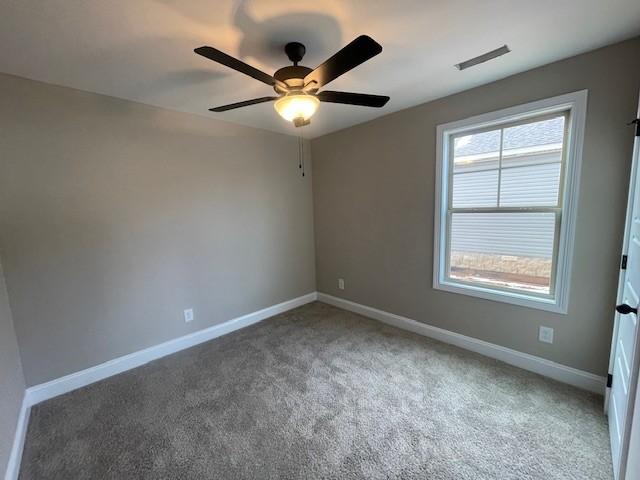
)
(297, 86)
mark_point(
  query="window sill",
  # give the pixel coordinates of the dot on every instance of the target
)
(514, 298)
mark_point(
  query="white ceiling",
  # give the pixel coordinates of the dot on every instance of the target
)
(142, 50)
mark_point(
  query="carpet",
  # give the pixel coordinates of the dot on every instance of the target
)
(319, 392)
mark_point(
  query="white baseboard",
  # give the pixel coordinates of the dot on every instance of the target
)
(13, 467)
(53, 388)
(562, 373)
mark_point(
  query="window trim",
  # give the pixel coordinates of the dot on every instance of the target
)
(576, 105)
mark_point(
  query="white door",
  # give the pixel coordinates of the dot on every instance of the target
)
(625, 348)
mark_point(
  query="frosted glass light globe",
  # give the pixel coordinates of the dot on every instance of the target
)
(297, 106)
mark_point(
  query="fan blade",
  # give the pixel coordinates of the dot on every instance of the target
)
(349, 98)
(227, 60)
(359, 51)
(231, 106)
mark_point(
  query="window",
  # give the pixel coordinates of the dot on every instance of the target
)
(505, 202)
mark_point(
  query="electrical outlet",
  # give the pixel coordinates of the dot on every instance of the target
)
(546, 334)
(188, 315)
(341, 283)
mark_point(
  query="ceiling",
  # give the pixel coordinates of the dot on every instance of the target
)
(142, 50)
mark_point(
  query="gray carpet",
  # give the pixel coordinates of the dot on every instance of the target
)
(320, 393)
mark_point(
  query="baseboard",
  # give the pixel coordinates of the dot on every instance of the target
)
(572, 376)
(13, 467)
(73, 381)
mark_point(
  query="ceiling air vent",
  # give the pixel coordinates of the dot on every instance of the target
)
(485, 57)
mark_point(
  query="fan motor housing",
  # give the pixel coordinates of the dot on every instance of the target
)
(292, 75)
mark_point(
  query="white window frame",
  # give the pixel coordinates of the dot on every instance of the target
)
(576, 105)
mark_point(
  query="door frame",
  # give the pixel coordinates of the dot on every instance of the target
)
(620, 470)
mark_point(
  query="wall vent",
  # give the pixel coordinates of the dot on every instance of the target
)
(485, 57)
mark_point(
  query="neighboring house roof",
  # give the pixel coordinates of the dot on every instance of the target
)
(519, 136)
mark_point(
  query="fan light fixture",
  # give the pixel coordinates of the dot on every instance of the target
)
(297, 107)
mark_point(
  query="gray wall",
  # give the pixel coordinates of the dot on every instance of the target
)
(116, 216)
(374, 202)
(11, 379)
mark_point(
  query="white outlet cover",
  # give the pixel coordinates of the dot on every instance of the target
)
(341, 283)
(188, 315)
(546, 334)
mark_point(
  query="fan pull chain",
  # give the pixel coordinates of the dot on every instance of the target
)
(301, 154)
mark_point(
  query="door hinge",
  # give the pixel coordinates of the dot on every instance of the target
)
(637, 122)
(623, 263)
(609, 380)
